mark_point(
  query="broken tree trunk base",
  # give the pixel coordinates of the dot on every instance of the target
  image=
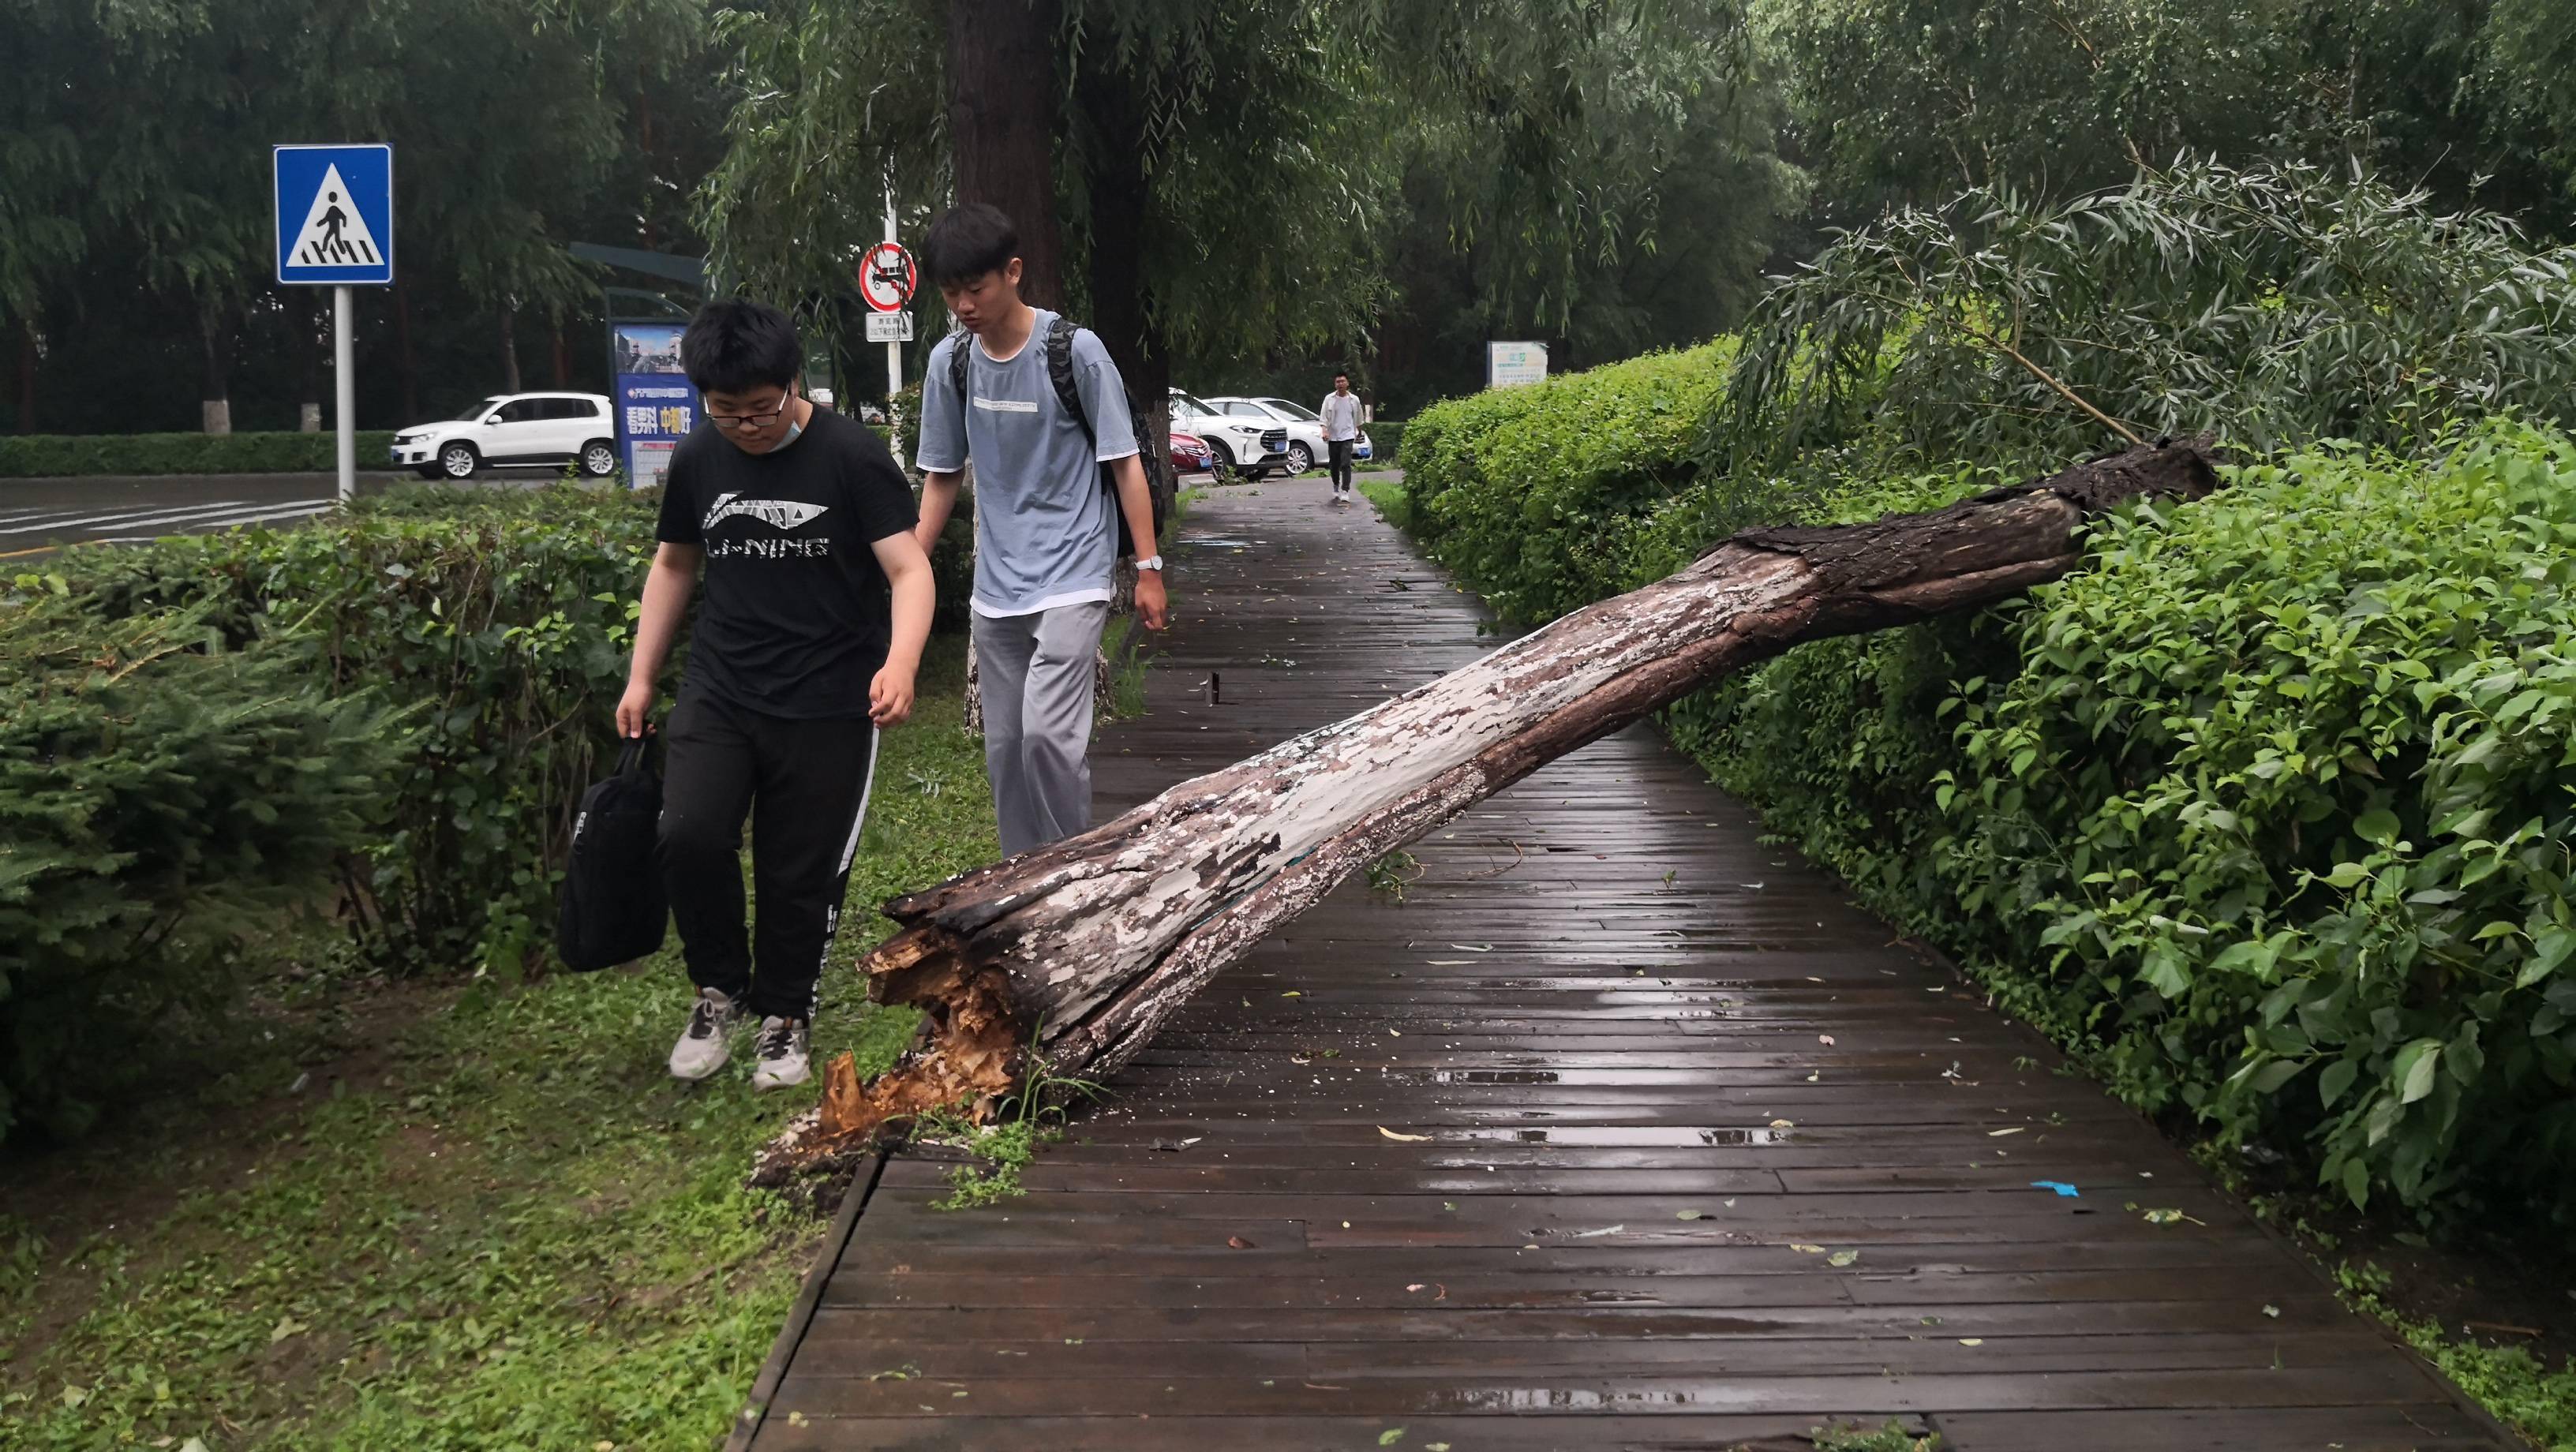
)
(1076, 953)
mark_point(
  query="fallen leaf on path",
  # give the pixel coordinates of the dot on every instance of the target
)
(1403, 1138)
(1805, 1249)
(1238, 1242)
(1784, 1124)
(1824, 1038)
(1972, 1341)
(1842, 1257)
(1687, 1214)
(1604, 1230)
(2000, 1133)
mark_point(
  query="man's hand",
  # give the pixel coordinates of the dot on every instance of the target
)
(1153, 605)
(634, 708)
(890, 697)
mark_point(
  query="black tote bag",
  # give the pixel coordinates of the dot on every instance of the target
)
(613, 909)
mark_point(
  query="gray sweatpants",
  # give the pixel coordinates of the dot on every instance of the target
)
(1035, 672)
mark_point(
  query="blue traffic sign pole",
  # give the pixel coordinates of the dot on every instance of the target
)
(335, 227)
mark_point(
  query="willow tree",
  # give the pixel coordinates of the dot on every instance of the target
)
(1224, 176)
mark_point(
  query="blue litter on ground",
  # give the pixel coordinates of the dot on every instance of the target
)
(2060, 1186)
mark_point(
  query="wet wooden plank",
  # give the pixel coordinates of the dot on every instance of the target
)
(1652, 1076)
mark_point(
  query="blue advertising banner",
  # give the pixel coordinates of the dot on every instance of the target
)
(656, 406)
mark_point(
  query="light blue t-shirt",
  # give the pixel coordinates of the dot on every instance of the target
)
(1048, 530)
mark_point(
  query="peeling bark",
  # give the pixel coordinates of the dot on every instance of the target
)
(1070, 957)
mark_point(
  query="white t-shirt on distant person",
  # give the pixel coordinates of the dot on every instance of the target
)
(1341, 413)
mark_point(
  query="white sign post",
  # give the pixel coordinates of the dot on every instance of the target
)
(335, 226)
(1515, 365)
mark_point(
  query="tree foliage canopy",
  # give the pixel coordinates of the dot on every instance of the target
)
(2282, 303)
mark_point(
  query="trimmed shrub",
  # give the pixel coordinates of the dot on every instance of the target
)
(34, 456)
(1386, 441)
(502, 617)
(160, 796)
(1540, 494)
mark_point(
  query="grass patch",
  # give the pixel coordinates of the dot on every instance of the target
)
(1393, 504)
(1890, 1437)
(499, 1224)
(2523, 1391)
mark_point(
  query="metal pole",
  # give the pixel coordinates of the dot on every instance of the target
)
(894, 351)
(345, 390)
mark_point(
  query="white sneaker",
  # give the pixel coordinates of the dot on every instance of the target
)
(702, 1046)
(782, 1054)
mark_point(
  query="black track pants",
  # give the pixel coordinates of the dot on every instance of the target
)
(1341, 451)
(804, 785)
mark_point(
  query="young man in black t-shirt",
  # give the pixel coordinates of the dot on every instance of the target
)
(818, 600)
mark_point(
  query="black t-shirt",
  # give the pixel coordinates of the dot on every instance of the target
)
(797, 614)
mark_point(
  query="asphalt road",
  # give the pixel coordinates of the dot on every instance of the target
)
(40, 515)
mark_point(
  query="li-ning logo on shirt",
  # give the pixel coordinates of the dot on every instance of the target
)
(776, 513)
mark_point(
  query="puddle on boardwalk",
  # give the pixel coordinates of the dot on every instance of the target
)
(1650, 1136)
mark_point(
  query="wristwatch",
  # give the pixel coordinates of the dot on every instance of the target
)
(1153, 563)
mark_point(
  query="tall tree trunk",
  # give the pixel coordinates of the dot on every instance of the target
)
(510, 348)
(562, 358)
(26, 375)
(215, 336)
(405, 367)
(1077, 952)
(1003, 98)
(1120, 196)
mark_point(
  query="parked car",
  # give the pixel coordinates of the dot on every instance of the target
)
(1253, 447)
(1305, 428)
(511, 430)
(1192, 454)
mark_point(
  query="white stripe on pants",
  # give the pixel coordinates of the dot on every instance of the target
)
(1035, 672)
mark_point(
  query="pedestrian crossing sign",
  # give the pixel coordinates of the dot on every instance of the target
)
(335, 214)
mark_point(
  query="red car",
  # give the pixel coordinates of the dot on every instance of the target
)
(1191, 454)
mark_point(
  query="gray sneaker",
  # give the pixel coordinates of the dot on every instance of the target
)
(782, 1054)
(702, 1046)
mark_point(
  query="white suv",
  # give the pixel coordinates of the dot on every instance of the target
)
(1305, 429)
(511, 430)
(1251, 447)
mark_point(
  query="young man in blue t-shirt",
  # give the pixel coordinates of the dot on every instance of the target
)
(1047, 553)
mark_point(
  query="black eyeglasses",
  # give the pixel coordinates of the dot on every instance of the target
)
(748, 421)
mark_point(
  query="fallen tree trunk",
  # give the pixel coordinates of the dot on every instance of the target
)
(1065, 960)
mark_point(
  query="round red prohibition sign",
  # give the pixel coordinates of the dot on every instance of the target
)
(887, 277)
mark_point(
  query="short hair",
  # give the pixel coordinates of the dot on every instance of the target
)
(967, 242)
(735, 344)
(1341, 375)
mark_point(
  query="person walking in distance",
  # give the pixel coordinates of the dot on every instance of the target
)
(1046, 553)
(1341, 413)
(818, 601)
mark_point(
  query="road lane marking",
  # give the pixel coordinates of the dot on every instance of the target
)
(151, 514)
(260, 516)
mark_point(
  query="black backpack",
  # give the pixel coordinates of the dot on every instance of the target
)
(1159, 484)
(613, 909)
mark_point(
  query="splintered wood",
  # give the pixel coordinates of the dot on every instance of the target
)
(1064, 961)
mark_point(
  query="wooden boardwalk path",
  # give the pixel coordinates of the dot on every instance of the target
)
(1621, 1130)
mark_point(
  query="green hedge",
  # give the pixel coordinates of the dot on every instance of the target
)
(2264, 813)
(1386, 441)
(501, 617)
(34, 456)
(1538, 495)
(160, 796)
